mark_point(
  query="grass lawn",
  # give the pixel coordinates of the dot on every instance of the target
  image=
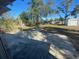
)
(27, 28)
(73, 28)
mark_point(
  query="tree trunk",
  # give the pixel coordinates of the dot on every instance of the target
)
(37, 21)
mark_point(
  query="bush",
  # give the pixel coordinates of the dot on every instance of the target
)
(8, 25)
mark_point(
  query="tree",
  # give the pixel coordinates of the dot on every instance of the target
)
(24, 17)
(65, 8)
(75, 11)
(39, 9)
(35, 9)
(47, 10)
(8, 24)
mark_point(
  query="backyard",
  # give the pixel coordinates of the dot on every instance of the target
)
(39, 29)
(55, 41)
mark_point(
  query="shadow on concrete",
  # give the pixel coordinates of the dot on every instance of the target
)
(74, 35)
(23, 46)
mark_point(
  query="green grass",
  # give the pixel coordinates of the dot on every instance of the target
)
(55, 26)
(27, 28)
(71, 28)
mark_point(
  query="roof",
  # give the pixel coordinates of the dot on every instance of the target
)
(3, 4)
(3, 10)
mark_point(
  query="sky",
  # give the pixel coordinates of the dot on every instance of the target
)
(19, 6)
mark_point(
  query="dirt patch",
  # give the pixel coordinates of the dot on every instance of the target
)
(75, 28)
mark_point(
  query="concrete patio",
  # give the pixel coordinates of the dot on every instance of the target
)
(37, 44)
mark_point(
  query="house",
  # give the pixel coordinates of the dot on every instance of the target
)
(73, 22)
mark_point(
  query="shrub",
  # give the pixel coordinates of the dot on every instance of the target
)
(8, 25)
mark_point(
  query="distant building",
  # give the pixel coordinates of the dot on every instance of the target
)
(73, 22)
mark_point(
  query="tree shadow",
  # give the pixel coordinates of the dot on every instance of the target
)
(62, 43)
(74, 35)
(22, 46)
(25, 48)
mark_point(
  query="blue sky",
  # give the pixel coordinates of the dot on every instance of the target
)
(19, 6)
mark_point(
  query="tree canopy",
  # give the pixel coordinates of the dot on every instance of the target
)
(64, 8)
(39, 8)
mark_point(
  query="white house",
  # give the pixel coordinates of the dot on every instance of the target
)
(73, 22)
